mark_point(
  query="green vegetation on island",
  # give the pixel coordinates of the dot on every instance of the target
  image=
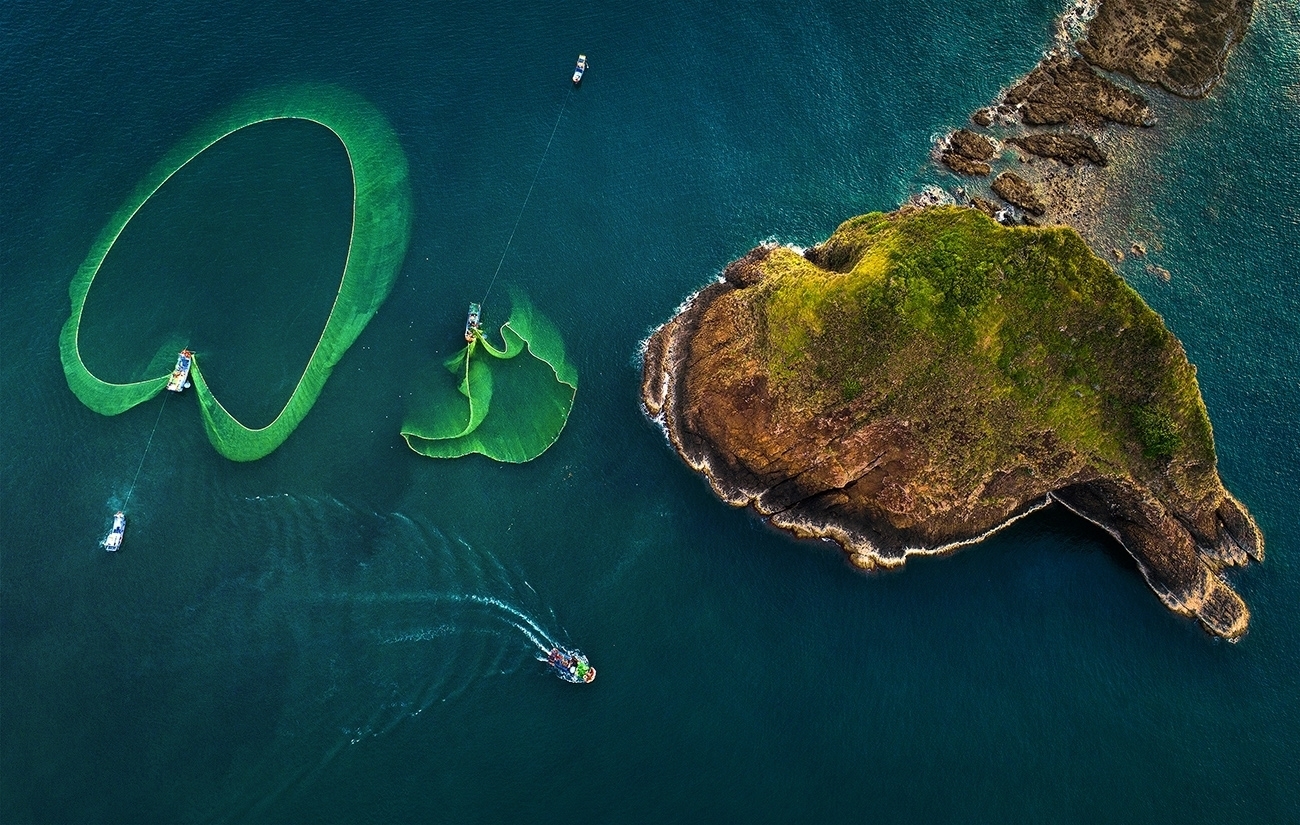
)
(1024, 321)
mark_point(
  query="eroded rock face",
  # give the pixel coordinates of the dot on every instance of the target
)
(1177, 543)
(986, 206)
(1182, 45)
(967, 143)
(864, 468)
(963, 165)
(968, 153)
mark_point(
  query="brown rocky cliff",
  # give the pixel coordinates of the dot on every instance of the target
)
(1016, 190)
(1063, 90)
(1067, 148)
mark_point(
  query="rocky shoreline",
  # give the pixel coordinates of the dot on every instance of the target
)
(668, 360)
(1065, 109)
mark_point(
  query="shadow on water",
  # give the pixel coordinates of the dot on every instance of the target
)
(1073, 534)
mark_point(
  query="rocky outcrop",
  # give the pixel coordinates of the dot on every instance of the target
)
(963, 165)
(1067, 148)
(888, 475)
(967, 153)
(1017, 191)
(971, 145)
(1066, 90)
(986, 206)
(1177, 548)
(1182, 45)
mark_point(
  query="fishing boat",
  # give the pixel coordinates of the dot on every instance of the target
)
(180, 378)
(579, 69)
(571, 666)
(472, 322)
(114, 538)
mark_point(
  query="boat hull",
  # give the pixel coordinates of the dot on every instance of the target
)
(472, 322)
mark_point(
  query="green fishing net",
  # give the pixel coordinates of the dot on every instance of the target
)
(381, 223)
(494, 402)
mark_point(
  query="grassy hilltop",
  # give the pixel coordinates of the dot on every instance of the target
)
(984, 332)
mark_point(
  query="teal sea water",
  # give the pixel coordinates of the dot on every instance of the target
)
(346, 631)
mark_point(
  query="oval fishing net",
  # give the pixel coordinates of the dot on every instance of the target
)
(381, 223)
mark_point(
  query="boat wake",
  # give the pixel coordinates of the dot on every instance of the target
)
(379, 618)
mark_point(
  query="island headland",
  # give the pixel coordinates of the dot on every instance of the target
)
(926, 377)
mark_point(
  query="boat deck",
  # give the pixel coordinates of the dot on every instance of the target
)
(472, 322)
(180, 376)
(114, 538)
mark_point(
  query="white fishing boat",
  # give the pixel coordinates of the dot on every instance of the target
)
(580, 69)
(472, 322)
(180, 377)
(114, 538)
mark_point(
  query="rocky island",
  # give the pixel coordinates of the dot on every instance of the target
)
(924, 378)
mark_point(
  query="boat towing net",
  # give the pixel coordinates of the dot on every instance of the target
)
(381, 225)
(508, 408)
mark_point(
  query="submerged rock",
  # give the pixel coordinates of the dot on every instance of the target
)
(926, 377)
(1160, 272)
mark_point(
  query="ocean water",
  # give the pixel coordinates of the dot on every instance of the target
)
(346, 631)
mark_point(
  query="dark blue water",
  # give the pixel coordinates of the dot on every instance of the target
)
(345, 631)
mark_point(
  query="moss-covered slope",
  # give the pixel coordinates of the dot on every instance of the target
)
(948, 303)
(924, 377)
